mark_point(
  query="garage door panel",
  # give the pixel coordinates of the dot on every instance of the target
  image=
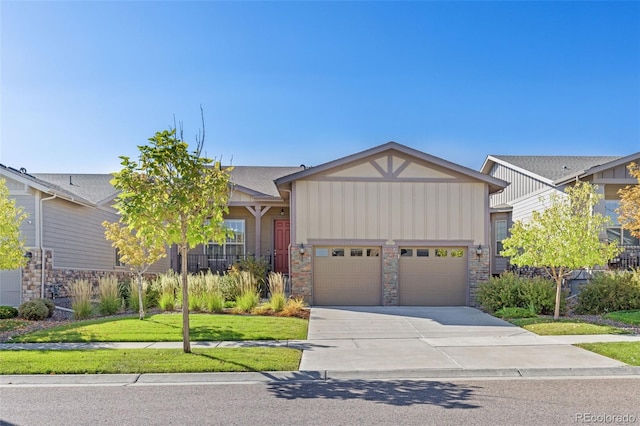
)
(430, 280)
(347, 280)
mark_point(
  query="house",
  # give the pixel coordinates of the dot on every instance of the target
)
(387, 226)
(533, 178)
(64, 234)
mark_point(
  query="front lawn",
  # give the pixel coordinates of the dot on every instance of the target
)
(551, 327)
(627, 352)
(106, 361)
(168, 328)
(628, 317)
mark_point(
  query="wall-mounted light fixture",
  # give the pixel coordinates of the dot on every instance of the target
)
(301, 249)
(28, 255)
(282, 211)
(479, 250)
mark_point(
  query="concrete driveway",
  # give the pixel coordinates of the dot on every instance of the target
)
(405, 338)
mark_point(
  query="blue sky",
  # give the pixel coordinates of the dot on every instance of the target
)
(286, 83)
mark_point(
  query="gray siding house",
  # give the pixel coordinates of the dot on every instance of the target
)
(533, 178)
(64, 234)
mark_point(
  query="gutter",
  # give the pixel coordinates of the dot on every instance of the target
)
(42, 254)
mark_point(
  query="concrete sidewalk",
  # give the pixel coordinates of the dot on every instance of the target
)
(382, 343)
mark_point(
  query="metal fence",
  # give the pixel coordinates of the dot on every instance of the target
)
(215, 263)
(628, 259)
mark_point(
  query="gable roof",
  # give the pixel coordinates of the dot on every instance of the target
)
(548, 168)
(259, 181)
(495, 184)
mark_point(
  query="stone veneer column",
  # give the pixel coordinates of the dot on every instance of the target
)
(301, 273)
(390, 275)
(479, 271)
(32, 276)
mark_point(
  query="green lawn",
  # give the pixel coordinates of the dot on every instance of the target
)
(628, 317)
(550, 327)
(168, 328)
(627, 352)
(12, 324)
(105, 361)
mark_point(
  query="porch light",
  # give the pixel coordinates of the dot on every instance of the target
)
(301, 249)
(479, 250)
(28, 255)
(282, 212)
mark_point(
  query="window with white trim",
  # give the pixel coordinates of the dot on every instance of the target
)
(501, 234)
(615, 231)
(234, 244)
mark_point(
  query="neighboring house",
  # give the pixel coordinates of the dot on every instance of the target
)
(63, 232)
(533, 178)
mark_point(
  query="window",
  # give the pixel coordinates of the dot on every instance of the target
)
(373, 252)
(337, 252)
(234, 245)
(356, 252)
(422, 252)
(441, 252)
(501, 234)
(615, 232)
(457, 253)
(119, 261)
(406, 252)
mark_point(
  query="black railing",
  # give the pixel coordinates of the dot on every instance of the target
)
(628, 259)
(215, 263)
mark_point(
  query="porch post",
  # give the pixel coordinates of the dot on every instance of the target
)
(258, 211)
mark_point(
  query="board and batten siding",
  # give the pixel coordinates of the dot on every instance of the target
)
(520, 185)
(522, 210)
(390, 210)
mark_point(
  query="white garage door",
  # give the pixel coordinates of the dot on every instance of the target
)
(433, 276)
(11, 287)
(347, 276)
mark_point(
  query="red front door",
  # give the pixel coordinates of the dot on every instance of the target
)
(281, 248)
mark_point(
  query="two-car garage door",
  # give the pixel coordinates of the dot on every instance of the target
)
(428, 276)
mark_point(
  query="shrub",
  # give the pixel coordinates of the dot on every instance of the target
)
(110, 302)
(7, 312)
(213, 302)
(229, 286)
(50, 306)
(608, 292)
(499, 292)
(81, 293)
(247, 301)
(293, 308)
(230, 304)
(512, 291)
(277, 299)
(257, 268)
(512, 313)
(124, 292)
(167, 302)
(34, 310)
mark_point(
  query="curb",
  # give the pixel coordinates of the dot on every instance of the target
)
(150, 379)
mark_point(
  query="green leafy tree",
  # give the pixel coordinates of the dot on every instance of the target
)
(563, 237)
(629, 210)
(135, 252)
(174, 196)
(12, 244)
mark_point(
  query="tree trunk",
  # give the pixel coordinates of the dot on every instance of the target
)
(140, 298)
(556, 312)
(186, 344)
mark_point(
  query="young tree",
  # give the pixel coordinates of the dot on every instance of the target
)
(629, 210)
(563, 237)
(135, 252)
(174, 196)
(12, 244)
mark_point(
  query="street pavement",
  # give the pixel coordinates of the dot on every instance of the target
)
(384, 342)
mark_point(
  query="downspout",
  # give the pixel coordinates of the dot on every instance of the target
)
(41, 242)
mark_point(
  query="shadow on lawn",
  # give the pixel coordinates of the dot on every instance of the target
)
(391, 392)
